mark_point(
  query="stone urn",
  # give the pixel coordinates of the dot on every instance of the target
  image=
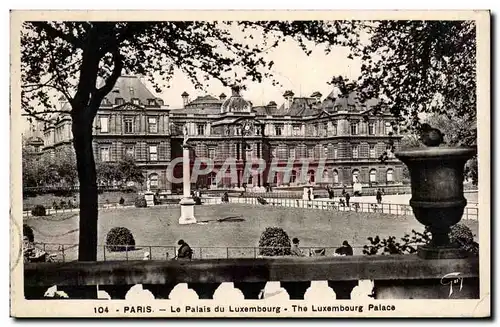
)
(438, 202)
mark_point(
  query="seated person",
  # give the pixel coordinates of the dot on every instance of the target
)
(295, 250)
(344, 250)
(185, 251)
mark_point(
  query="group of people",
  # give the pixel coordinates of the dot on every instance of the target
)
(344, 250)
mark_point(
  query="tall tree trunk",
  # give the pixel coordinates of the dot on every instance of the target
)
(82, 141)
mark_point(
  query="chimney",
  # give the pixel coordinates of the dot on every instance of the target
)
(185, 98)
(288, 95)
(317, 96)
(222, 97)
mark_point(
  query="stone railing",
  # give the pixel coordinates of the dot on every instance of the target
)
(388, 277)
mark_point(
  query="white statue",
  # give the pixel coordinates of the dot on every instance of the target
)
(185, 133)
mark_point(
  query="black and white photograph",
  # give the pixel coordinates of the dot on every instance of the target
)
(250, 164)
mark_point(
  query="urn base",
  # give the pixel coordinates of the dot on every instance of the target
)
(440, 252)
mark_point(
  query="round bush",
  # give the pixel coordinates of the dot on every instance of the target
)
(122, 201)
(140, 202)
(274, 241)
(38, 210)
(120, 239)
(462, 236)
(28, 232)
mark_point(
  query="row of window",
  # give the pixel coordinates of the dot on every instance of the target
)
(324, 154)
(120, 101)
(105, 152)
(322, 129)
(129, 124)
(326, 178)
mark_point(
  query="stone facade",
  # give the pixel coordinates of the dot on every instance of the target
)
(329, 142)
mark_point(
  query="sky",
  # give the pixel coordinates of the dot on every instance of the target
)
(293, 69)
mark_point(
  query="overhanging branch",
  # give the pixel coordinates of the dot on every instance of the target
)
(101, 92)
(52, 31)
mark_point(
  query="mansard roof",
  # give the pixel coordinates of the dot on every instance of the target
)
(129, 87)
(302, 106)
(347, 103)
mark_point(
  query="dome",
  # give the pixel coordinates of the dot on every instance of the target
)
(236, 103)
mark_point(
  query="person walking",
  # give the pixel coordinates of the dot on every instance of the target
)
(379, 196)
(347, 198)
(185, 252)
(295, 250)
(309, 194)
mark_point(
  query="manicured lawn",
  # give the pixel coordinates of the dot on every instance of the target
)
(159, 226)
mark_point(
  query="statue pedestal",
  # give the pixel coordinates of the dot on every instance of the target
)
(442, 252)
(187, 212)
(149, 196)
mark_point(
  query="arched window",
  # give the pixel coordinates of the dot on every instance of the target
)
(211, 179)
(390, 175)
(355, 176)
(250, 180)
(293, 178)
(310, 176)
(373, 176)
(153, 180)
(335, 177)
(326, 177)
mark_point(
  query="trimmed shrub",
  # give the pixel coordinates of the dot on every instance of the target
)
(55, 206)
(462, 236)
(274, 241)
(28, 232)
(140, 202)
(197, 200)
(62, 204)
(38, 210)
(122, 201)
(120, 239)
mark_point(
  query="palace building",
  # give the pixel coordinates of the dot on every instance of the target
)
(338, 140)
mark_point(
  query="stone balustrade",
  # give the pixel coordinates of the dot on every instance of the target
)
(388, 277)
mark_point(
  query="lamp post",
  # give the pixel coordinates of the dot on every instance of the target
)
(187, 203)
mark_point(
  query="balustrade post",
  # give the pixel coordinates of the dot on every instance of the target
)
(296, 290)
(343, 289)
(160, 291)
(205, 291)
(82, 292)
(251, 291)
(116, 292)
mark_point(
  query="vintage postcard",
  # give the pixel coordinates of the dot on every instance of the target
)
(250, 164)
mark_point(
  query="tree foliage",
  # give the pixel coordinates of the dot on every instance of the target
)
(82, 61)
(121, 172)
(47, 170)
(415, 67)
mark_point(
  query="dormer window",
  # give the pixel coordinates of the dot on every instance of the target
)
(131, 89)
(338, 107)
(151, 102)
(351, 107)
(119, 101)
(136, 101)
(159, 101)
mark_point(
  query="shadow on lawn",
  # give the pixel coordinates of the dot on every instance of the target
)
(223, 220)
